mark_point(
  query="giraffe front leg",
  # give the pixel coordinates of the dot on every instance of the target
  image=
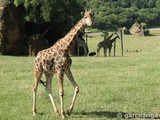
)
(35, 86)
(61, 92)
(76, 90)
(105, 51)
(110, 51)
(34, 99)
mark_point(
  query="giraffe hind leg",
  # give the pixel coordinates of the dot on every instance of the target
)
(76, 90)
(98, 52)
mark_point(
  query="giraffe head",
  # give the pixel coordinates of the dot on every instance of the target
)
(117, 35)
(87, 17)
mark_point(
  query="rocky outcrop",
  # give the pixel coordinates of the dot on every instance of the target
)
(139, 29)
(125, 30)
(135, 28)
(12, 26)
(144, 32)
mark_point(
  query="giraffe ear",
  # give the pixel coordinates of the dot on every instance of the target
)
(94, 13)
(82, 13)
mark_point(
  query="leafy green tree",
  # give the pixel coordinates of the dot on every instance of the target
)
(55, 15)
(49, 10)
(112, 13)
(120, 13)
(125, 3)
(157, 3)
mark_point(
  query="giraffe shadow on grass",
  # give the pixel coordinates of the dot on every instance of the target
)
(111, 115)
(101, 114)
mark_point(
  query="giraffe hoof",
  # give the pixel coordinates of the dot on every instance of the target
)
(34, 112)
(57, 113)
(63, 117)
(69, 112)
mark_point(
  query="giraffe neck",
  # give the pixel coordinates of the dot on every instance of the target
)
(69, 39)
(112, 40)
(108, 38)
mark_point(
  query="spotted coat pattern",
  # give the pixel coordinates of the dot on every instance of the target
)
(56, 59)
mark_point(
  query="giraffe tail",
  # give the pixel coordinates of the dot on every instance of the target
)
(42, 82)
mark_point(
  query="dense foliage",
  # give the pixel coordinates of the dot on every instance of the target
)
(56, 16)
(51, 10)
(62, 14)
(120, 13)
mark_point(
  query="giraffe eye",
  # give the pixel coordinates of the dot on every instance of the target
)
(85, 17)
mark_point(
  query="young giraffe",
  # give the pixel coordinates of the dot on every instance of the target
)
(109, 45)
(56, 59)
(103, 44)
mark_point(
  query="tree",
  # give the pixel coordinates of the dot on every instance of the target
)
(112, 13)
(55, 15)
(49, 10)
(120, 13)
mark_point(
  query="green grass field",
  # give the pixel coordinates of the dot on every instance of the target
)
(129, 85)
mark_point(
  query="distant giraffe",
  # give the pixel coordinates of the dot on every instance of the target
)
(81, 43)
(109, 45)
(57, 59)
(103, 44)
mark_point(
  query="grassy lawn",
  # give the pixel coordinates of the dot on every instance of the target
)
(108, 85)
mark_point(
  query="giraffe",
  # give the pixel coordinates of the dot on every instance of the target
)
(82, 43)
(56, 59)
(103, 44)
(109, 45)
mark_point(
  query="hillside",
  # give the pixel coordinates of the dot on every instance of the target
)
(124, 13)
